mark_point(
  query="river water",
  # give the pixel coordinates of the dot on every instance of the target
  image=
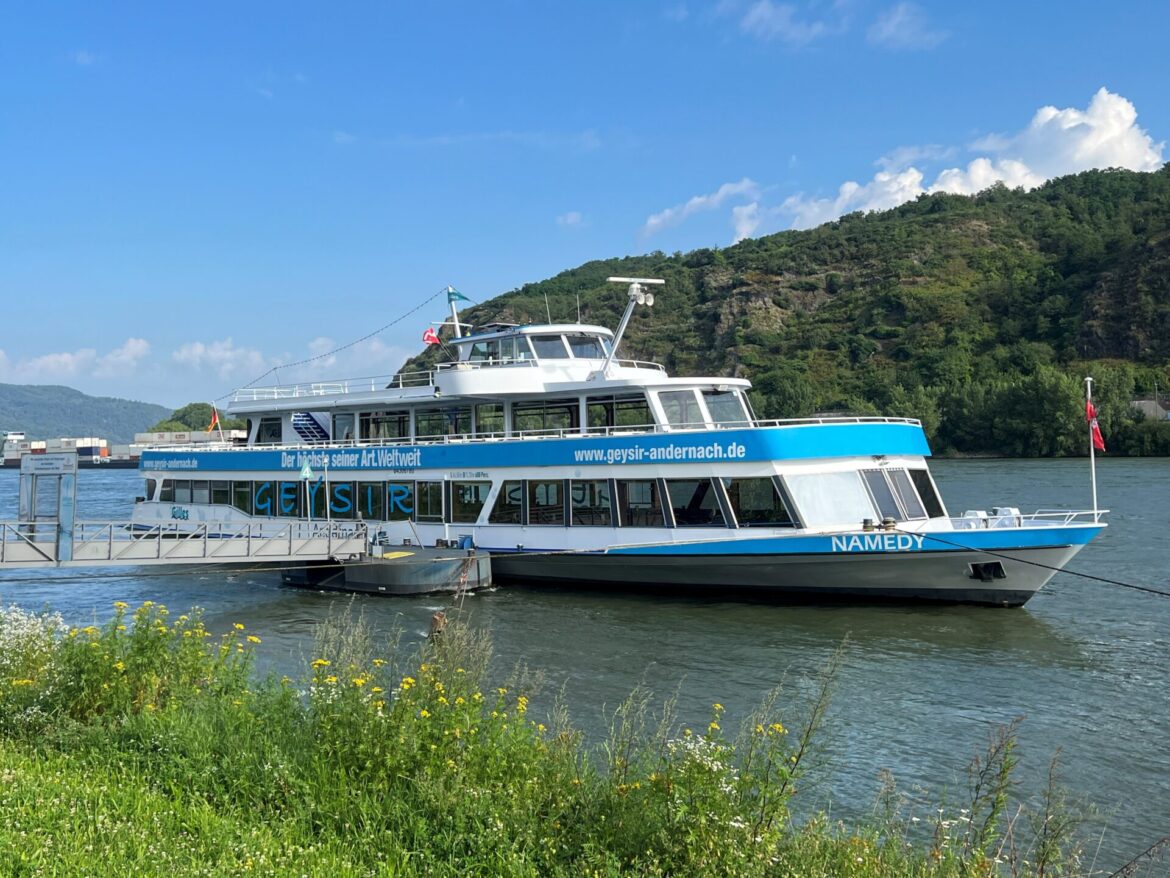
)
(1085, 665)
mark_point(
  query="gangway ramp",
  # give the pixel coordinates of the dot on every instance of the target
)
(52, 543)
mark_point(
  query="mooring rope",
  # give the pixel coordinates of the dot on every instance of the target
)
(994, 554)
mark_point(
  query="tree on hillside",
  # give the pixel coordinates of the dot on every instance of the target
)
(195, 416)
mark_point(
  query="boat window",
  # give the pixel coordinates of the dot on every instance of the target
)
(694, 502)
(545, 415)
(242, 497)
(882, 493)
(489, 418)
(467, 499)
(262, 498)
(619, 413)
(399, 501)
(182, 491)
(151, 485)
(681, 408)
(586, 347)
(509, 508)
(757, 503)
(341, 500)
(507, 350)
(926, 490)
(385, 425)
(523, 349)
(371, 498)
(639, 504)
(485, 350)
(221, 493)
(201, 492)
(343, 427)
(429, 500)
(726, 408)
(904, 488)
(546, 502)
(269, 432)
(288, 499)
(830, 498)
(448, 421)
(166, 493)
(549, 347)
(590, 502)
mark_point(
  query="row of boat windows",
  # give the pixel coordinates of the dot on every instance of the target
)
(821, 498)
(610, 413)
(581, 503)
(546, 347)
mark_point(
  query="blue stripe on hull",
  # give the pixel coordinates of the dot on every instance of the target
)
(798, 442)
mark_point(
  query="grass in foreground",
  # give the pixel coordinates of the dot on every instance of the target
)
(147, 746)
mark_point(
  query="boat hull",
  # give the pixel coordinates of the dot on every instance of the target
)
(415, 571)
(944, 577)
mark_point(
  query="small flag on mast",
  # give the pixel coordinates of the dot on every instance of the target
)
(1094, 429)
(214, 420)
(453, 296)
(431, 337)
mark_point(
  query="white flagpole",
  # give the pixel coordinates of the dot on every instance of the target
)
(1092, 447)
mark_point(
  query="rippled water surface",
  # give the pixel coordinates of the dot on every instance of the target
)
(1085, 665)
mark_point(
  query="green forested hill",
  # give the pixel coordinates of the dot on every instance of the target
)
(981, 315)
(46, 411)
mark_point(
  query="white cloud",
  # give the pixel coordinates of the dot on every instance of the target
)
(223, 358)
(124, 360)
(904, 26)
(746, 218)
(1055, 143)
(343, 138)
(85, 363)
(766, 20)
(904, 156)
(572, 218)
(672, 216)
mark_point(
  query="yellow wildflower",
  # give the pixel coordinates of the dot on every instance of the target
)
(239, 626)
(22, 682)
(120, 605)
(320, 663)
(424, 713)
(713, 726)
(459, 699)
(718, 707)
(359, 681)
(119, 666)
(376, 689)
(331, 679)
(252, 638)
(379, 662)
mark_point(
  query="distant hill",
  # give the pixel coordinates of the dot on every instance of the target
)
(48, 411)
(978, 314)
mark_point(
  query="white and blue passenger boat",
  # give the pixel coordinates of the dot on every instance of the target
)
(569, 465)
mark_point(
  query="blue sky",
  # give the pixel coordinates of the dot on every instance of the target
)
(190, 196)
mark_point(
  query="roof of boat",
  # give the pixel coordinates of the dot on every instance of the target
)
(499, 330)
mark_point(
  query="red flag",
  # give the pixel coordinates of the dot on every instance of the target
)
(214, 420)
(1094, 430)
(430, 336)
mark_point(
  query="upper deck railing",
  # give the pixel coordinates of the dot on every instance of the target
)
(565, 433)
(405, 380)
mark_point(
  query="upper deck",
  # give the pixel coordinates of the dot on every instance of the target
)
(499, 363)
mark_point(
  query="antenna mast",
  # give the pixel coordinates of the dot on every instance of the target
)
(638, 296)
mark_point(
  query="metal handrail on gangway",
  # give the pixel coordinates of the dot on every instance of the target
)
(25, 544)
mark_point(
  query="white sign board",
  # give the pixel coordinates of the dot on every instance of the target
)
(49, 464)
